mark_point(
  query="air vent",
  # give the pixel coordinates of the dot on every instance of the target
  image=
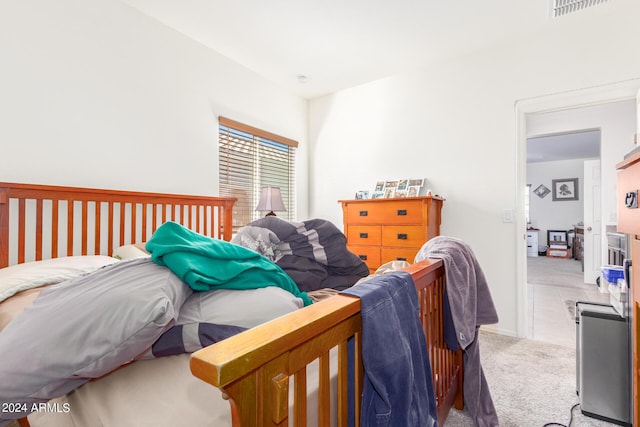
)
(565, 7)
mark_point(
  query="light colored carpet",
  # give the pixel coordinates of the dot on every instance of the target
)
(532, 383)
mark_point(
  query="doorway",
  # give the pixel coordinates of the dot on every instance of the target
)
(560, 203)
(563, 172)
(615, 143)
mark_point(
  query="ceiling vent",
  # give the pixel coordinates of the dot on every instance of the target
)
(565, 7)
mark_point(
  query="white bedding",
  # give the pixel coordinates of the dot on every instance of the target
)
(30, 275)
(158, 393)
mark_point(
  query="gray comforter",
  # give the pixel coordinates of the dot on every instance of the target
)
(313, 252)
(86, 327)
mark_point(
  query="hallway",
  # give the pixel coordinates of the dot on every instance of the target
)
(553, 286)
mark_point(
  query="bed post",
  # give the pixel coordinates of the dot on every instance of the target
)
(227, 232)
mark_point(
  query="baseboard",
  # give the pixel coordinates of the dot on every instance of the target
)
(496, 329)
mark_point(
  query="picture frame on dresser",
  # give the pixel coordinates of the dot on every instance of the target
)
(390, 188)
(389, 192)
(415, 185)
(556, 236)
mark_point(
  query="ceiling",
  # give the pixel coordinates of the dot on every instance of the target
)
(316, 48)
(564, 146)
(337, 44)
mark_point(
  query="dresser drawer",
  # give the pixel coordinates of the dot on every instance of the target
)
(364, 235)
(404, 235)
(398, 254)
(369, 254)
(396, 212)
(383, 230)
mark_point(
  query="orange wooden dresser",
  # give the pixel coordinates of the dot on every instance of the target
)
(629, 222)
(383, 230)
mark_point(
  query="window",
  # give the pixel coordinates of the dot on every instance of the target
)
(559, 8)
(250, 159)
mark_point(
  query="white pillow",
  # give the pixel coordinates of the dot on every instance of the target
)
(130, 252)
(245, 308)
(29, 275)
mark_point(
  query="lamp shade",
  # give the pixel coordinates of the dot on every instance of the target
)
(270, 200)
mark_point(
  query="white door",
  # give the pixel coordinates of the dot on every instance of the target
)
(592, 221)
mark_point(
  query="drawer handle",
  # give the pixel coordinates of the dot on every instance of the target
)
(364, 235)
(402, 236)
(362, 257)
(402, 212)
(364, 213)
(401, 258)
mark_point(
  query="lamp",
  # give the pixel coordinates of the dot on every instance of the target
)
(270, 200)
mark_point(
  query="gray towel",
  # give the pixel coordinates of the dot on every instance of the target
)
(471, 306)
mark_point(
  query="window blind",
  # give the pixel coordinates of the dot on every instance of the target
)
(564, 7)
(250, 159)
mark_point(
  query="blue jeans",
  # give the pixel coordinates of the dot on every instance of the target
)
(398, 388)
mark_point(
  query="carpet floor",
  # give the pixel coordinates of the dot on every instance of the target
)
(532, 383)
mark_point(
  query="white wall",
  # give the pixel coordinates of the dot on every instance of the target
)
(546, 214)
(456, 125)
(95, 94)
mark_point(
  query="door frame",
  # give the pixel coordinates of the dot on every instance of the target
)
(543, 104)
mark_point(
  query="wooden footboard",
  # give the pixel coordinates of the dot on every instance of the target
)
(253, 369)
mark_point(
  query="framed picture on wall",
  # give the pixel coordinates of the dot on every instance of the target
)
(541, 191)
(564, 189)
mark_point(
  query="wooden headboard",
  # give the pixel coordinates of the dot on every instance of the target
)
(43, 221)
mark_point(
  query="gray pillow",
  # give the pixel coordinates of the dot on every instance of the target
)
(246, 308)
(208, 317)
(84, 328)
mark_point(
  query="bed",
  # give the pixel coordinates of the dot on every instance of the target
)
(289, 370)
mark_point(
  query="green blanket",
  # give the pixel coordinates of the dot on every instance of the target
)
(205, 263)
